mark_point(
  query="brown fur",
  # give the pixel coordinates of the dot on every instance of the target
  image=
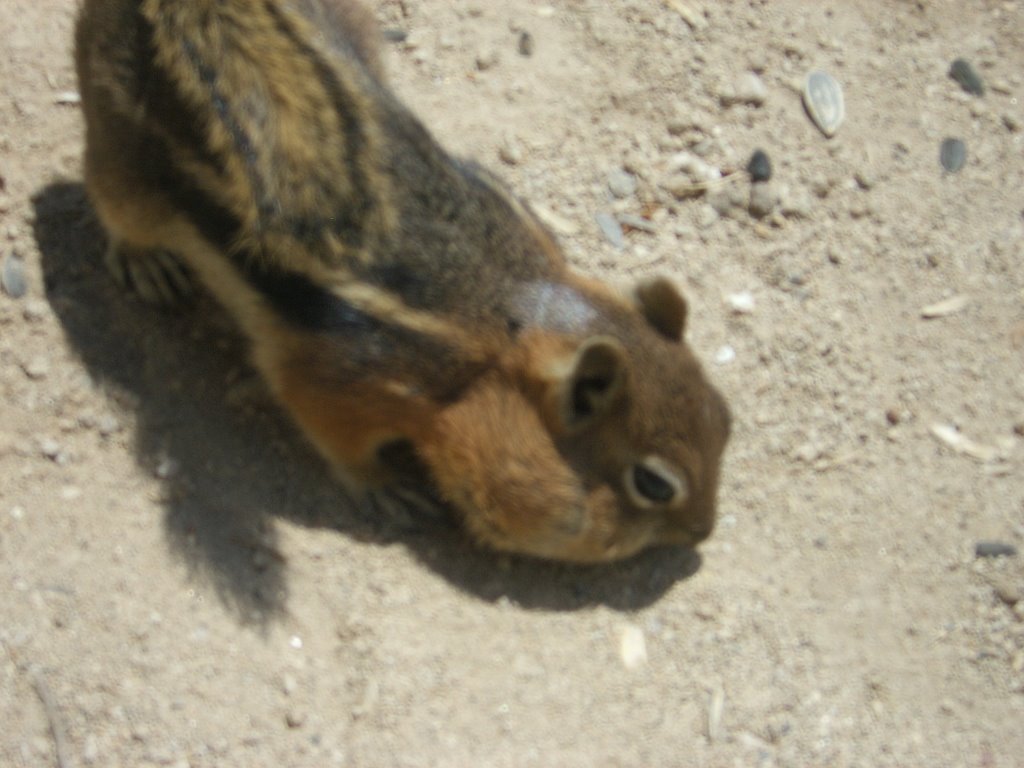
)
(391, 292)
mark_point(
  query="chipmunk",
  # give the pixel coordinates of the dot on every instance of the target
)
(397, 300)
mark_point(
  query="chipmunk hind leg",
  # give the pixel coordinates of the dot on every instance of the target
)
(139, 223)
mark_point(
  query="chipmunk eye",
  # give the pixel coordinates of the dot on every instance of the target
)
(649, 483)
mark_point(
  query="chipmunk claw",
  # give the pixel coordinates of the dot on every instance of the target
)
(157, 276)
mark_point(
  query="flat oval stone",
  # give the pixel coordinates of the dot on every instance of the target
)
(967, 76)
(994, 549)
(611, 229)
(953, 154)
(12, 277)
(823, 100)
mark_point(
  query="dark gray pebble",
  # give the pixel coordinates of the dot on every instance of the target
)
(525, 43)
(12, 276)
(994, 549)
(968, 78)
(953, 154)
(395, 35)
(759, 167)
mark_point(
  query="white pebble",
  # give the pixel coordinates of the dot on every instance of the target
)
(741, 303)
(510, 151)
(35, 310)
(725, 355)
(632, 646)
(945, 308)
(749, 89)
(37, 368)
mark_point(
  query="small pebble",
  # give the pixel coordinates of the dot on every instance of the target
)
(796, 203)
(611, 229)
(108, 425)
(1007, 590)
(486, 59)
(395, 35)
(759, 167)
(823, 100)
(632, 647)
(295, 719)
(707, 217)
(12, 276)
(994, 549)
(37, 368)
(968, 78)
(741, 303)
(721, 201)
(946, 307)
(289, 685)
(510, 152)
(864, 180)
(748, 89)
(35, 310)
(762, 199)
(953, 154)
(621, 183)
(525, 44)
(50, 449)
(725, 355)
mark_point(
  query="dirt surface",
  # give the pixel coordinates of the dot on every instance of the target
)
(182, 585)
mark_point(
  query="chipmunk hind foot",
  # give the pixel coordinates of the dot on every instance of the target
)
(155, 275)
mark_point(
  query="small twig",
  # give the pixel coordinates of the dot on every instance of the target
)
(716, 706)
(693, 188)
(692, 18)
(60, 739)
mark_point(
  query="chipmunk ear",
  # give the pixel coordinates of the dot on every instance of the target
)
(593, 380)
(662, 305)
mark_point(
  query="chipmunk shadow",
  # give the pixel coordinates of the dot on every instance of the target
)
(232, 464)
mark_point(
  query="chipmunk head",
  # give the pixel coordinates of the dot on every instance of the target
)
(592, 446)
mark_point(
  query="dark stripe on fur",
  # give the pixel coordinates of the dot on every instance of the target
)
(347, 223)
(162, 100)
(305, 304)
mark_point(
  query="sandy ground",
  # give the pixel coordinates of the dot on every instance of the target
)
(182, 585)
